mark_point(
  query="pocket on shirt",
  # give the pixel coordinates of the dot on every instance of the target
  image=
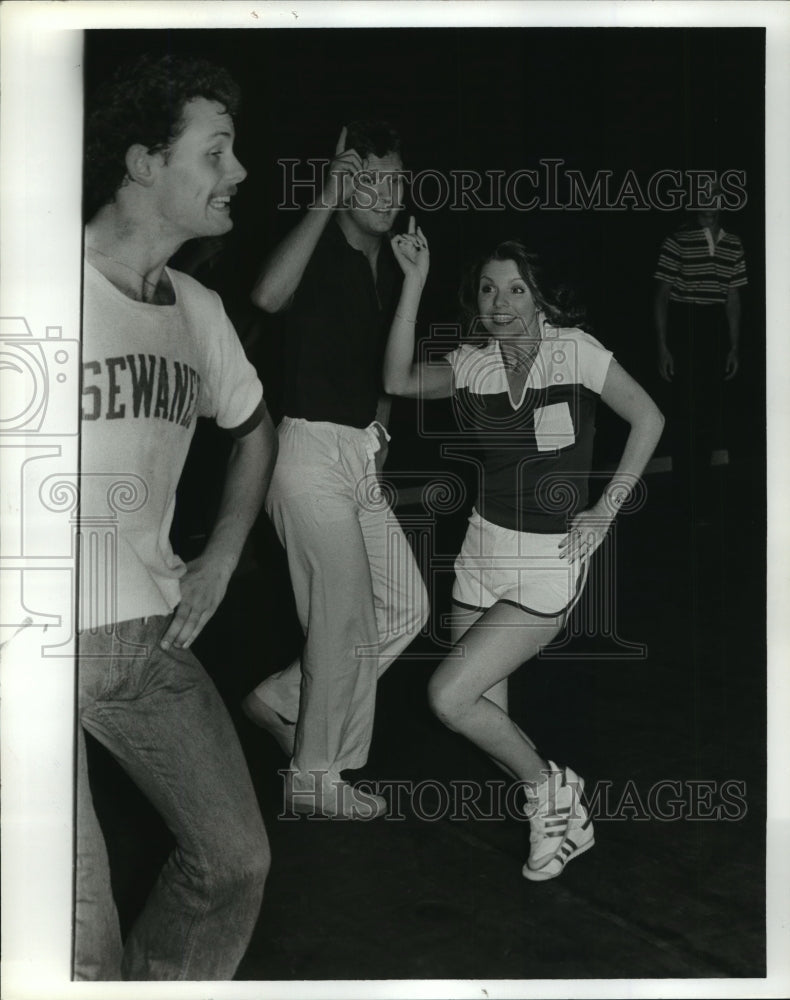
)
(553, 427)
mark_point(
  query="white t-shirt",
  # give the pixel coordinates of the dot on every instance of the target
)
(147, 372)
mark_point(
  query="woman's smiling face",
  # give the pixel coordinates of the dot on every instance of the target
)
(504, 301)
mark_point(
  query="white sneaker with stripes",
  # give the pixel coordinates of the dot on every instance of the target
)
(560, 827)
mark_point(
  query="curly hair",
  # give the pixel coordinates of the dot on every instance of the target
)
(558, 304)
(143, 103)
(372, 137)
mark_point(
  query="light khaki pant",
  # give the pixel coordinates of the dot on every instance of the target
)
(359, 593)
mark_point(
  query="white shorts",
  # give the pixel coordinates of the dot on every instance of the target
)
(517, 567)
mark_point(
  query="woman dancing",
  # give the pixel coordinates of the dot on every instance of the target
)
(529, 394)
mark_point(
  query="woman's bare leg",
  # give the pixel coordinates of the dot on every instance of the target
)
(467, 692)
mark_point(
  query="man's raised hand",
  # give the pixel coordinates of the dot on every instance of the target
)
(340, 183)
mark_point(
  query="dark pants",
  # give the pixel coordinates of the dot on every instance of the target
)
(697, 338)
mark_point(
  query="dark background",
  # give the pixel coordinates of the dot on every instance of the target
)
(419, 900)
(499, 99)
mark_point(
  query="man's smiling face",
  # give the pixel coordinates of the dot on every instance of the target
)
(198, 174)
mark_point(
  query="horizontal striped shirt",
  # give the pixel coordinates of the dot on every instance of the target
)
(700, 270)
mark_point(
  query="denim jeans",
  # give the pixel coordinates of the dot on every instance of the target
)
(161, 717)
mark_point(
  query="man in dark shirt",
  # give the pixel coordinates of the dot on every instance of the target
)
(359, 593)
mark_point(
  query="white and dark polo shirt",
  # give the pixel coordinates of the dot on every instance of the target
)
(535, 452)
(700, 269)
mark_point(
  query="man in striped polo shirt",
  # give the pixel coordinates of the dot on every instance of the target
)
(697, 312)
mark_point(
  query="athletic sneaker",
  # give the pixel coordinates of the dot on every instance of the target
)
(560, 826)
(264, 715)
(326, 794)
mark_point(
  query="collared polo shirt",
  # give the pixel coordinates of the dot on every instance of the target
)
(700, 270)
(534, 453)
(336, 329)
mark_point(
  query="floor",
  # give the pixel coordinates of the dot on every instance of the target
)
(662, 710)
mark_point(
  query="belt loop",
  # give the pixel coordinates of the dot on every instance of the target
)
(374, 442)
(382, 428)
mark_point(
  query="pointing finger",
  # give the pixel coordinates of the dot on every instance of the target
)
(411, 225)
(341, 142)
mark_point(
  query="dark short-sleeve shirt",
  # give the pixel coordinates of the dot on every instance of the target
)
(336, 329)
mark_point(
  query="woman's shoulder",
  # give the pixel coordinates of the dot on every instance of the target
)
(573, 334)
(473, 362)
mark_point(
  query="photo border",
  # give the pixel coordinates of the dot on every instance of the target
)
(40, 266)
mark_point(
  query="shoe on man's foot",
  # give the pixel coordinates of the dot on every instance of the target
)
(327, 794)
(263, 715)
(560, 827)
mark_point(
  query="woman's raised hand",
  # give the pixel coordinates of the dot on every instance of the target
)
(411, 252)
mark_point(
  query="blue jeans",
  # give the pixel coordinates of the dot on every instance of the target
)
(161, 717)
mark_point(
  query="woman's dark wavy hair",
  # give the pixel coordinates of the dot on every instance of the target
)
(558, 304)
(143, 103)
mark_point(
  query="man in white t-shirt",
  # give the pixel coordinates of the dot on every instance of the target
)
(158, 351)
